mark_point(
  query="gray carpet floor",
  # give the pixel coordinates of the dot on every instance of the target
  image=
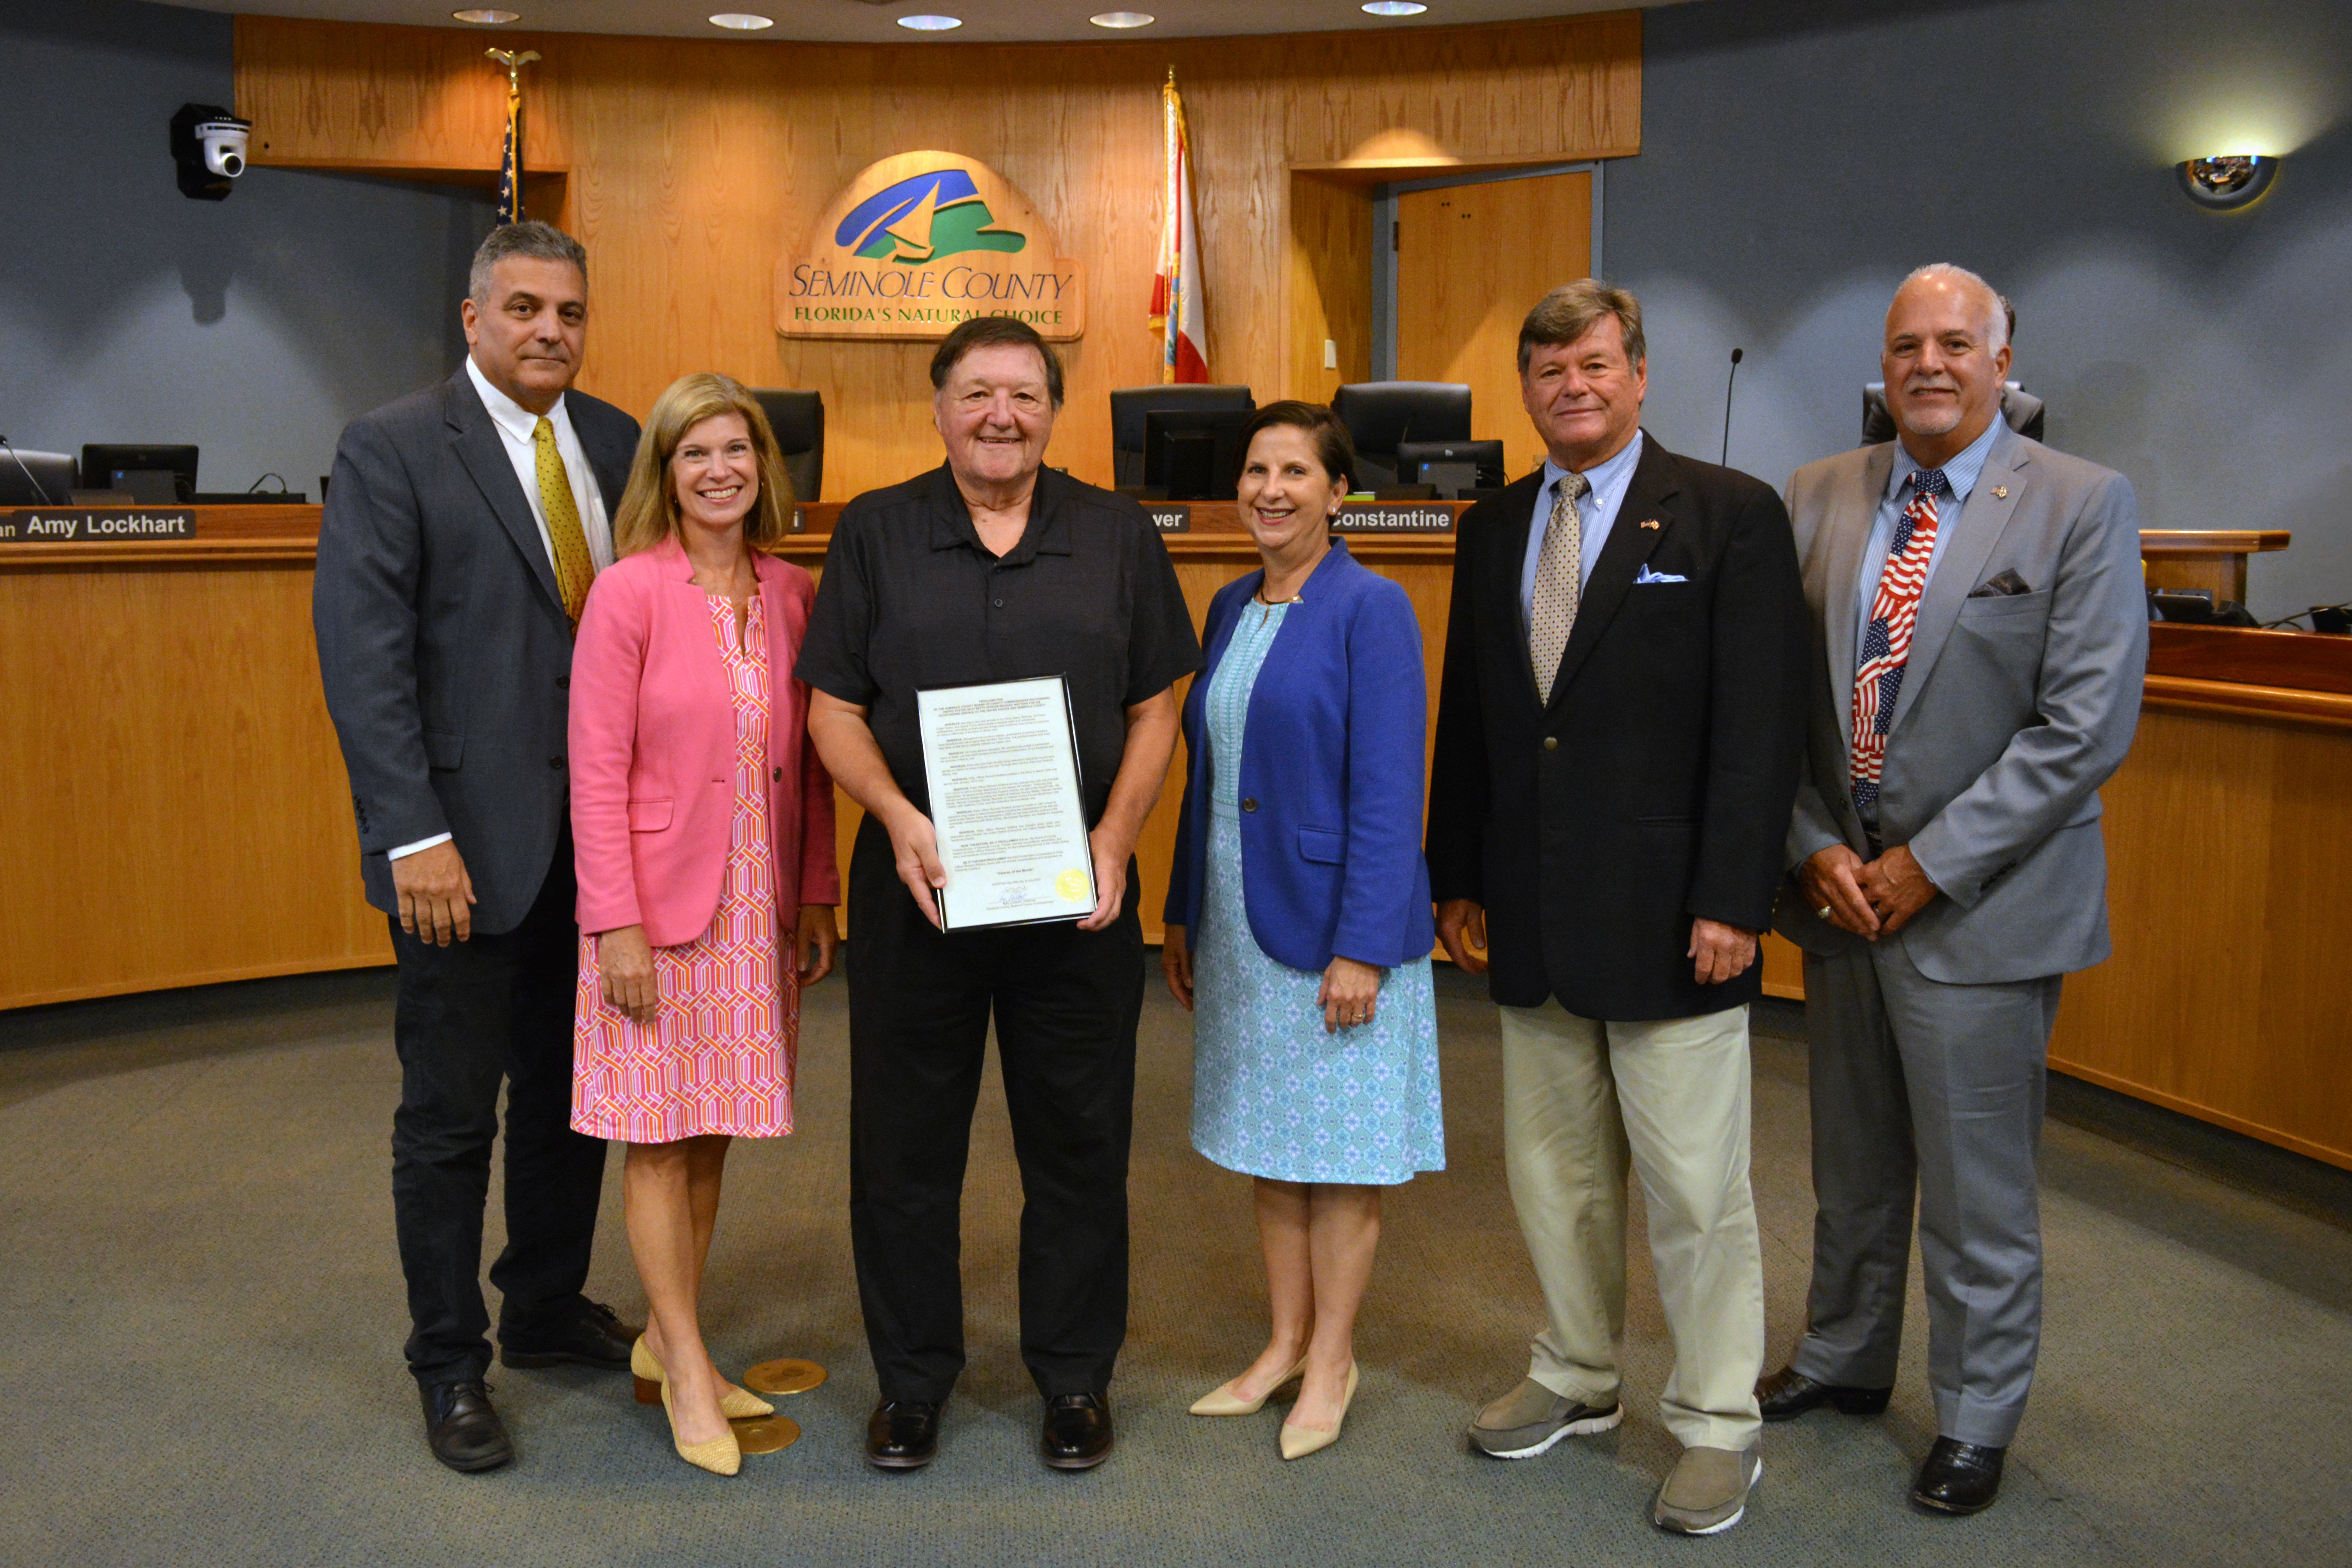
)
(200, 1320)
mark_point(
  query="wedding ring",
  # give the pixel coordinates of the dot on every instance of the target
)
(1823, 911)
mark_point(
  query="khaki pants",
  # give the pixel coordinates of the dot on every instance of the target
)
(1584, 1100)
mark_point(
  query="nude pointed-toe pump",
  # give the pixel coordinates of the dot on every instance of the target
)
(736, 1403)
(1223, 1401)
(720, 1456)
(1297, 1442)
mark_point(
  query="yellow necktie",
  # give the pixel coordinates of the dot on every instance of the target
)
(575, 567)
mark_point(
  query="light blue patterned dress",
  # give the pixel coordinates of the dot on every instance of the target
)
(1273, 1094)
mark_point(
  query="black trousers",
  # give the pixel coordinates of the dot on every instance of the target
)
(470, 1016)
(1066, 1004)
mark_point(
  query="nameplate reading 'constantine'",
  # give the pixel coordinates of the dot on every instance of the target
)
(1391, 517)
(920, 243)
(95, 525)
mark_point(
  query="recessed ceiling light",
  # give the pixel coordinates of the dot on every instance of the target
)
(486, 19)
(930, 24)
(742, 21)
(1123, 19)
(1395, 7)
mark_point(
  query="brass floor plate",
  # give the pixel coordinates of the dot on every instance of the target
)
(766, 1434)
(789, 1376)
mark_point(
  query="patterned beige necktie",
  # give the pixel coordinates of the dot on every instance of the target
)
(575, 567)
(1560, 579)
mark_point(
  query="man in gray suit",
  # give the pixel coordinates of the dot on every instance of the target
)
(462, 528)
(1979, 634)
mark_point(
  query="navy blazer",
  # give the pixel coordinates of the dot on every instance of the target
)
(1330, 775)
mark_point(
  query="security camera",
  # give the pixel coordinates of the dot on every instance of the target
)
(208, 143)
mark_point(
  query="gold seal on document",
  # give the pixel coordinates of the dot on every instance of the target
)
(1071, 885)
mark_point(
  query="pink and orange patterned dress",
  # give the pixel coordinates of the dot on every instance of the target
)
(719, 1056)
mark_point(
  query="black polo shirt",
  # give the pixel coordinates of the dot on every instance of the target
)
(910, 599)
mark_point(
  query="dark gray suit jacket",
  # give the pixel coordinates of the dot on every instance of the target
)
(442, 640)
(2014, 710)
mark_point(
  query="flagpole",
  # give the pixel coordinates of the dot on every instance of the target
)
(510, 161)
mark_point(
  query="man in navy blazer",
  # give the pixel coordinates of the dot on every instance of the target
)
(1617, 752)
(463, 526)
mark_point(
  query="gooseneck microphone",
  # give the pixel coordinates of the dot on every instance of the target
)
(39, 488)
(1737, 355)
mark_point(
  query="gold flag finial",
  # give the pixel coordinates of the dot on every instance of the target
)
(514, 60)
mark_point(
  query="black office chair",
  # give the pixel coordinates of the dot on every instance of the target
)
(38, 479)
(1381, 415)
(2021, 408)
(1128, 404)
(798, 419)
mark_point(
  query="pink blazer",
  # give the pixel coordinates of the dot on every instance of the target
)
(652, 752)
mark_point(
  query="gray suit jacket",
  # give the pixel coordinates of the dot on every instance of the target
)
(441, 641)
(2014, 708)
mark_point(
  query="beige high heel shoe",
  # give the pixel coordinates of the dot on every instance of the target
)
(1223, 1401)
(721, 1456)
(1297, 1442)
(736, 1403)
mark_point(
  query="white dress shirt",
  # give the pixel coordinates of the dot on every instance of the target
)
(1610, 481)
(517, 428)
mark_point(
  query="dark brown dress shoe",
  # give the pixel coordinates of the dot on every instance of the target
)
(1078, 1431)
(591, 1334)
(1958, 1478)
(462, 1428)
(902, 1435)
(1788, 1393)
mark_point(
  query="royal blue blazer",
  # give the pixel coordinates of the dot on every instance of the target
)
(1330, 776)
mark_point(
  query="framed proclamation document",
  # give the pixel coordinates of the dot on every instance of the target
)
(1002, 760)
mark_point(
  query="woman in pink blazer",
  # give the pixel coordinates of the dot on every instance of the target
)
(703, 825)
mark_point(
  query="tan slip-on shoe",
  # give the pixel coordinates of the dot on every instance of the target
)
(1707, 1492)
(1531, 1418)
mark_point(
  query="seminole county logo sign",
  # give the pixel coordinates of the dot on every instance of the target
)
(921, 242)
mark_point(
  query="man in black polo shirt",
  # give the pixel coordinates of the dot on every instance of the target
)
(991, 568)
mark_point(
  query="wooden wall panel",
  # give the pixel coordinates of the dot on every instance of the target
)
(177, 806)
(1330, 284)
(693, 165)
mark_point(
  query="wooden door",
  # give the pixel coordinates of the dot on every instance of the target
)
(1470, 261)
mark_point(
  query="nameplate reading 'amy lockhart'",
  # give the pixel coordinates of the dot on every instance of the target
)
(1393, 517)
(921, 242)
(95, 525)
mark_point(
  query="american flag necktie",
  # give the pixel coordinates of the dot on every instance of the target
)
(1886, 643)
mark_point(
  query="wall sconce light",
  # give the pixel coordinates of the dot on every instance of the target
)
(2230, 182)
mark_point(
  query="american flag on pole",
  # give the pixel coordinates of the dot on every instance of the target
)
(510, 161)
(1177, 309)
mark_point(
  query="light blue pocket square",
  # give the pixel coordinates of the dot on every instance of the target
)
(1649, 576)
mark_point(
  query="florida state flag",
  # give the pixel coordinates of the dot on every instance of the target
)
(1177, 309)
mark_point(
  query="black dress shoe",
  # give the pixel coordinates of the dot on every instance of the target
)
(462, 1428)
(1958, 1478)
(902, 1435)
(1078, 1431)
(1790, 1392)
(590, 1334)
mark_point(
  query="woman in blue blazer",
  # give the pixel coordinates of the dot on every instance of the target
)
(1298, 917)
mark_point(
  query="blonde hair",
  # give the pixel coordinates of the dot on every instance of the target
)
(648, 509)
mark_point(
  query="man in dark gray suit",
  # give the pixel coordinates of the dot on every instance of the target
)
(1979, 637)
(461, 530)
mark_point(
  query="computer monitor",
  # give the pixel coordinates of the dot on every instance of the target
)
(36, 478)
(1194, 454)
(797, 418)
(1452, 466)
(155, 476)
(1381, 415)
(1130, 404)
